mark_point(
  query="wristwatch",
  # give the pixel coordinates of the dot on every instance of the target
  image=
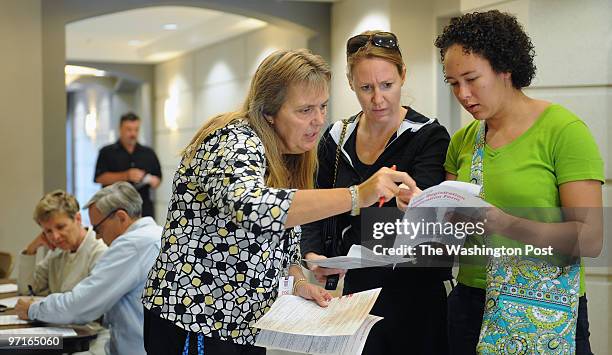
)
(355, 209)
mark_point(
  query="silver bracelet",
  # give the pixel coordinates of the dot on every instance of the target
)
(355, 209)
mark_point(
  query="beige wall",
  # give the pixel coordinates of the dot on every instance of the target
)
(350, 17)
(415, 26)
(203, 83)
(54, 95)
(21, 124)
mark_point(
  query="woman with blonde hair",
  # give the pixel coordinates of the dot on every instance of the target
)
(383, 134)
(241, 191)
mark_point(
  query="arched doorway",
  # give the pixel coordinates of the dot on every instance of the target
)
(173, 81)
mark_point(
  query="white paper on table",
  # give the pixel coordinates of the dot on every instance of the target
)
(343, 316)
(341, 344)
(359, 257)
(12, 320)
(65, 332)
(6, 288)
(10, 302)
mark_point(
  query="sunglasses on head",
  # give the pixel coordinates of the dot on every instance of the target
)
(379, 39)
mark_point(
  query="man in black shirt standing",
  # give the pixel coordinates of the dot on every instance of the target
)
(126, 160)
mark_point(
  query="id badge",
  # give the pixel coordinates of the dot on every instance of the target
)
(285, 286)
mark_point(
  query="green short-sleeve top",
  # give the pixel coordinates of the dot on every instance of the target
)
(527, 172)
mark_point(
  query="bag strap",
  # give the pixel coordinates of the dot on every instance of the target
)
(338, 148)
(477, 169)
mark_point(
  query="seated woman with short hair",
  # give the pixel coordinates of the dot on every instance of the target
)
(74, 249)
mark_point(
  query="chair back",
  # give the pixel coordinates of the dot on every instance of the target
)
(6, 264)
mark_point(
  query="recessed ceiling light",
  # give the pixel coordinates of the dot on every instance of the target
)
(134, 42)
(170, 26)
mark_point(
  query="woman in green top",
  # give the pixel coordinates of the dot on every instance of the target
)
(535, 154)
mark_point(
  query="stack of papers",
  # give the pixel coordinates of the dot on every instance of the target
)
(12, 320)
(299, 325)
(359, 257)
(64, 332)
(7, 288)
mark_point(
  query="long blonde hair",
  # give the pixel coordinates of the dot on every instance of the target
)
(267, 93)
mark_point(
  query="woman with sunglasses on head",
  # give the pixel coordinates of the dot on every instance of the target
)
(243, 187)
(527, 153)
(384, 134)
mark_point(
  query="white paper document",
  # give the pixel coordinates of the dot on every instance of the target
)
(359, 257)
(295, 315)
(7, 288)
(309, 344)
(449, 194)
(441, 201)
(65, 332)
(10, 302)
(12, 320)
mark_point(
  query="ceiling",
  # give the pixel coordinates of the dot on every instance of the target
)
(152, 34)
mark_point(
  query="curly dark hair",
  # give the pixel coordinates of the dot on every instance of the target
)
(497, 37)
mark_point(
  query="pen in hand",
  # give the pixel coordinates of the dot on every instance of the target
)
(381, 200)
(30, 291)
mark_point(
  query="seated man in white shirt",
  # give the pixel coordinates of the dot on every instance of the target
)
(74, 249)
(115, 285)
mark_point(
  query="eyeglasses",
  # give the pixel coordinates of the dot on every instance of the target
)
(379, 39)
(97, 225)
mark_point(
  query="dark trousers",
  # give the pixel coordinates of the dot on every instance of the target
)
(162, 337)
(465, 310)
(414, 318)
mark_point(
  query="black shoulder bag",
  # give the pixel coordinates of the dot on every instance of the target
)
(332, 245)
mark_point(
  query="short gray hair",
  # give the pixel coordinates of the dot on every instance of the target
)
(118, 196)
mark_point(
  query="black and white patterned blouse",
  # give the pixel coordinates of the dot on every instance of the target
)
(224, 245)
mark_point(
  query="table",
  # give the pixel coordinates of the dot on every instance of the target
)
(77, 343)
